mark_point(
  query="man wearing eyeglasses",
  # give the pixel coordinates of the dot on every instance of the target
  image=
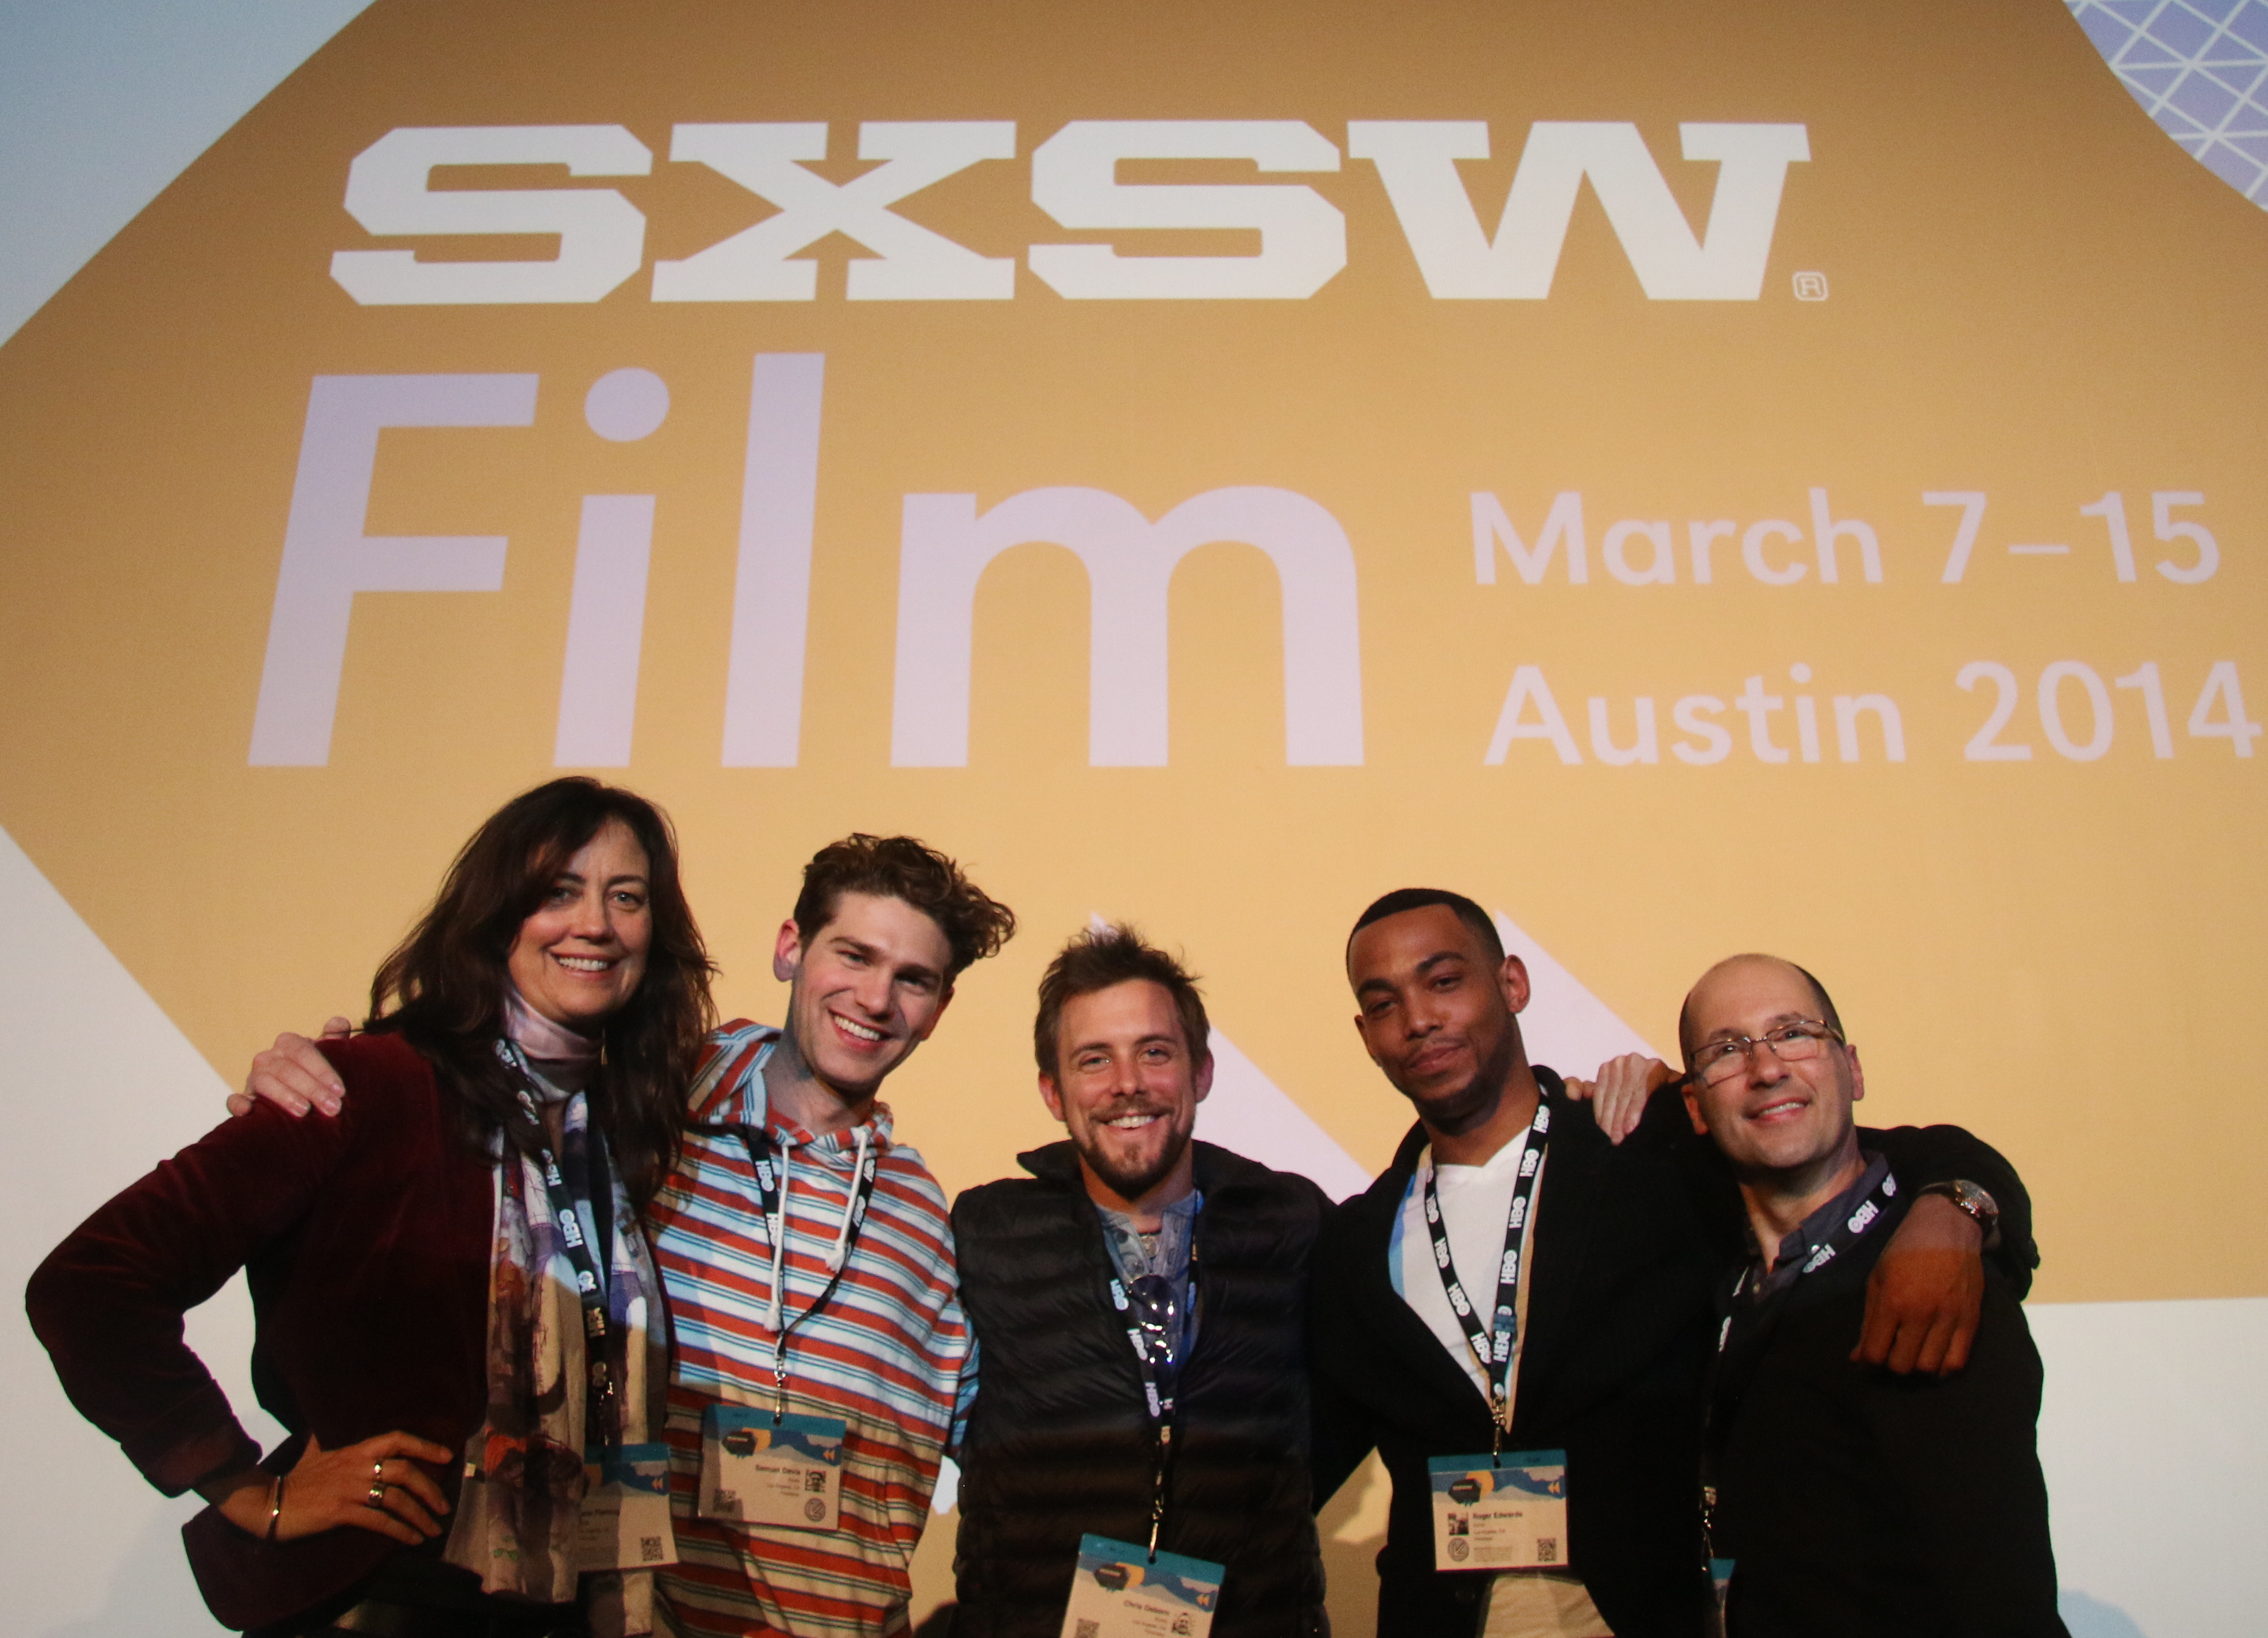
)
(1837, 1498)
(1519, 1314)
(1138, 1306)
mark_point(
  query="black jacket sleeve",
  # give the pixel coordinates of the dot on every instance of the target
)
(1344, 1431)
(1923, 1154)
(1343, 1437)
(1964, 1448)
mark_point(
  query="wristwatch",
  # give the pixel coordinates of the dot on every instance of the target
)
(1967, 1196)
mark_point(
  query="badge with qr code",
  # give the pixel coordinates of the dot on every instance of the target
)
(624, 1524)
(787, 1476)
(1120, 1592)
(1508, 1512)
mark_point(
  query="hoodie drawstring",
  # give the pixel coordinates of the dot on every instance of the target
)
(850, 1205)
(778, 1226)
(859, 1191)
(841, 1249)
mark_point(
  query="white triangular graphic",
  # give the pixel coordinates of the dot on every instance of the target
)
(1565, 1025)
(102, 106)
(98, 1084)
(1249, 1113)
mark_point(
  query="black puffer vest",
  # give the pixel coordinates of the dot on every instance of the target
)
(1058, 1442)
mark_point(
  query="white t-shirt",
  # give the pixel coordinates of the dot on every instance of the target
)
(1476, 1202)
(1476, 1209)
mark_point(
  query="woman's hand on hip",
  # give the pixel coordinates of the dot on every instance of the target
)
(376, 1485)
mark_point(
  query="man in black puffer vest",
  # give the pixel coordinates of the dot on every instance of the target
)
(1213, 1251)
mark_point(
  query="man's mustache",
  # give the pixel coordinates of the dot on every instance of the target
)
(1135, 1106)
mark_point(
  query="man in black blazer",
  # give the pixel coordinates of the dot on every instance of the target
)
(1845, 1500)
(1623, 1247)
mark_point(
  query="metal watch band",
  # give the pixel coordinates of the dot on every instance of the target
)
(1969, 1197)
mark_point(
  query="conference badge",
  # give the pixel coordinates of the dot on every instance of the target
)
(787, 1476)
(1120, 1592)
(1508, 1512)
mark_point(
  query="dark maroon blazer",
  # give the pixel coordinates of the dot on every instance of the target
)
(365, 1240)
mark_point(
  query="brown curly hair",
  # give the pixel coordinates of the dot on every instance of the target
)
(975, 924)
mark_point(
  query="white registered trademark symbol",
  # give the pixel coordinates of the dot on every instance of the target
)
(1811, 287)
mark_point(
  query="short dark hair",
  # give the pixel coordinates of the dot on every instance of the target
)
(1403, 899)
(975, 925)
(1102, 957)
(1827, 1013)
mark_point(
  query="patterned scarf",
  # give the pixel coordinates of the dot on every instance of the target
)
(518, 1514)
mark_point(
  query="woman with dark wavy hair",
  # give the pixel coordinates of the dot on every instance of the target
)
(459, 1320)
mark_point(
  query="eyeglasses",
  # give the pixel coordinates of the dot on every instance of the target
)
(1718, 1060)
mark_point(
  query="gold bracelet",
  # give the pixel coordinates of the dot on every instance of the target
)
(275, 1509)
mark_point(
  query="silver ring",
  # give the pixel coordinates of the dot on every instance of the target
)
(376, 1495)
(378, 1472)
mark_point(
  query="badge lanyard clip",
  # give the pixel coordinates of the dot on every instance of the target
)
(1157, 1486)
(1494, 1349)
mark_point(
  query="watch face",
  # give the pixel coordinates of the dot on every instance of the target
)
(1976, 1202)
(1969, 1198)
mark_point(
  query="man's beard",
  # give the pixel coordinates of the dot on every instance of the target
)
(1131, 1182)
(1472, 1101)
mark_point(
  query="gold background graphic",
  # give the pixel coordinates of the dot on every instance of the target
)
(2034, 294)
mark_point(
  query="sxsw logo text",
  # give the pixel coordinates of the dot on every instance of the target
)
(1075, 182)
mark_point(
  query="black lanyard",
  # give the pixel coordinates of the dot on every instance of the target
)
(771, 1195)
(589, 1285)
(1739, 1358)
(1492, 1351)
(1160, 1405)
